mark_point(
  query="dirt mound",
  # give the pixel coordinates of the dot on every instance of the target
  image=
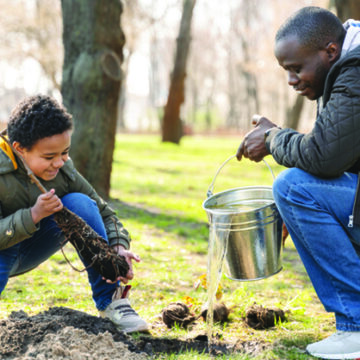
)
(63, 333)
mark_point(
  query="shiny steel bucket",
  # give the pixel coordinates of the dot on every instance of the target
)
(251, 220)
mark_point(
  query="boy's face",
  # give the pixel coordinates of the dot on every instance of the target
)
(307, 68)
(47, 155)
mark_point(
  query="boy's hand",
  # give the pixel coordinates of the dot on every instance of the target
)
(129, 256)
(46, 205)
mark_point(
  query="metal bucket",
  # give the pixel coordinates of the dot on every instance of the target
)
(254, 226)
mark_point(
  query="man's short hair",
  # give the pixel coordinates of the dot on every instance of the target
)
(35, 118)
(314, 27)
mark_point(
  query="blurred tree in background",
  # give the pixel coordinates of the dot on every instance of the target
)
(93, 43)
(172, 129)
(347, 9)
(231, 71)
(31, 39)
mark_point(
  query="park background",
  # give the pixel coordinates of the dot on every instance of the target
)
(157, 183)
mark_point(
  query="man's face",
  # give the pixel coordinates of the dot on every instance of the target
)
(307, 68)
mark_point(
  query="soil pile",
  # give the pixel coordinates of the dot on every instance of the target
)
(62, 333)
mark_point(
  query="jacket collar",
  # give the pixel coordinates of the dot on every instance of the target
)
(7, 158)
(352, 58)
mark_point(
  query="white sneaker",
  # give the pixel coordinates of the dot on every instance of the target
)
(341, 345)
(123, 315)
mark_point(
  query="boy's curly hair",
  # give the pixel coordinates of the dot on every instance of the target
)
(37, 117)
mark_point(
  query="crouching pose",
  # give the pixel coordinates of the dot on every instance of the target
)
(319, 196)
(40, 131)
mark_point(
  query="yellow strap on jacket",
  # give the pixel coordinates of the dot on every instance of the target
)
(5, 147)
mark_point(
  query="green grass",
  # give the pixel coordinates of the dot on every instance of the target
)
(158, 190)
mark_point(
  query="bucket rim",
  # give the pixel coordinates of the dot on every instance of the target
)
(230, 212)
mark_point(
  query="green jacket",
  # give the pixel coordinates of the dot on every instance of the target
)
(18, 194)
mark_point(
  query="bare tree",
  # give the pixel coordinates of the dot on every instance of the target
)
(36, 34)
(135, 21)
(293, 113)
(172, 127)
(93, 42)
(242, 83)
(347, 9)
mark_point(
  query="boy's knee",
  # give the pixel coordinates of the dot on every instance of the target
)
(78, 202)
(72, 198)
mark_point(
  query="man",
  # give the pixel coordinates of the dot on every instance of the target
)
(318, 195)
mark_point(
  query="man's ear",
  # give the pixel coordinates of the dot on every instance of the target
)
(333, 51)
(16, 145)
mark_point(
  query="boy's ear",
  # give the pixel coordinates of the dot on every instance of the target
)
(16, 145)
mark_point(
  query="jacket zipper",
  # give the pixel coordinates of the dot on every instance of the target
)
(351, 217)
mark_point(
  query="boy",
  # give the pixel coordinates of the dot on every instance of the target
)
(40, 130)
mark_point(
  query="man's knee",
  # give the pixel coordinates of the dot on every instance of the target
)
(283, 181)
(286, 181)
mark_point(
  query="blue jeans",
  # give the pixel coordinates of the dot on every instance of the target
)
(316, 212)
(46, 241)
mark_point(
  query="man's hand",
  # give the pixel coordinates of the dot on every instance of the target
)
(129, 256)
(46, 205)
(253, 146)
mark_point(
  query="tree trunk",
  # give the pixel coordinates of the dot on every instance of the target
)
(347, 9)
(172, 126)
(93, 43)
(293, 114)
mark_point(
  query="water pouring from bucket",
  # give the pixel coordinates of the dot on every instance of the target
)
(251, 220)
(245, 233)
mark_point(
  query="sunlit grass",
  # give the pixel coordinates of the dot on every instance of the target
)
(158, 190)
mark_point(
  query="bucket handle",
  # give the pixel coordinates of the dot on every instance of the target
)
(211, 187)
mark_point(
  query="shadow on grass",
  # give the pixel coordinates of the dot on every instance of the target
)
(191, 230)
(185, 227)
(294, 347)
(292, 258)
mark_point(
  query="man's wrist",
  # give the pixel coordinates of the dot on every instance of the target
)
(268, 131)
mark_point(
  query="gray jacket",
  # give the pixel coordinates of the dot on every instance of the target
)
(333, 145)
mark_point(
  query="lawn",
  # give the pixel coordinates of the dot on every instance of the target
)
(158, 190)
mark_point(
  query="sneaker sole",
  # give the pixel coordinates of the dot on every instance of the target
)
(354, 355)
(142, 328)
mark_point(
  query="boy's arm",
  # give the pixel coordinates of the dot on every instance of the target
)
(16, 228)
(115, 230)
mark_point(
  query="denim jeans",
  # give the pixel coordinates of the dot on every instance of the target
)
(316, 212)
(31, 252)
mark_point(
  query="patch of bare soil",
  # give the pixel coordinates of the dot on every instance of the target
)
(63, 333)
